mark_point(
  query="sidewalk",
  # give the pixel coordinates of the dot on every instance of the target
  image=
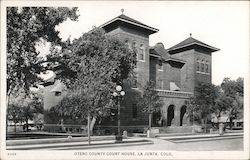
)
(75, 143)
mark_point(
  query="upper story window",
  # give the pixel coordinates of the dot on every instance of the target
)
(126, 42)
(141, 53)
(202, 66)
(160, 67)
(159, 84)
(134, 82)
(206, 67)
(198, 65)
(133, 44)
(58, 93)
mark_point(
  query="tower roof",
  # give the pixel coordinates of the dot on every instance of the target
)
(191, 43)
(123, 19)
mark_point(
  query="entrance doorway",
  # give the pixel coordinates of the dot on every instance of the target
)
(170, 115)
(183, 111)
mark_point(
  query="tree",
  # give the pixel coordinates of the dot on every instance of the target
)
(192, 110)
(26, 27)
(91, 67)
(14, 114)
(26, 105)
(232, 98)
(150, 101)
(203, 101)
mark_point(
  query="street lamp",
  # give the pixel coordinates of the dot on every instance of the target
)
(118, 94)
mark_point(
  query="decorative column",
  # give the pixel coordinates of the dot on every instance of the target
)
(177, 114)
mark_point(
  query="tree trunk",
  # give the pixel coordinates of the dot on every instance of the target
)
(205, 128)
(27, 124)
(231, 123)
(15, 126)
(7, 104)
(89, 129)
(149, 121)
(92, 124)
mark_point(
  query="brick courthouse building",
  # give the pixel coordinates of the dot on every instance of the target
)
(176, 71)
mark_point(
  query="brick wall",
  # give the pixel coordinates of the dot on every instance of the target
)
(187, 71)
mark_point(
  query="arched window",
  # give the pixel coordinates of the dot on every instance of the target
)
(134, 44)
(198, 65)
(160, 66)
(127, 42)
(206, 67)
(202, 66)
(141, 53)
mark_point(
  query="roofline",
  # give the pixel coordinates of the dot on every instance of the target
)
(169, 59)
(176, 60)
(117, 18)
(153, 55)
(213, 48)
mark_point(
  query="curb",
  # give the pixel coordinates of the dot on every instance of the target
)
(107, 146)
(197, 139)
(56, 140)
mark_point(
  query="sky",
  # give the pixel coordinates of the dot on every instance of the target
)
(223, 24)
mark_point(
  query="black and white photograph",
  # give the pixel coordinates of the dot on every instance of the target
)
(124, 80)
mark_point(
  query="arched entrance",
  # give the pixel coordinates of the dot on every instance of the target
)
(170, 115)
(182, 117)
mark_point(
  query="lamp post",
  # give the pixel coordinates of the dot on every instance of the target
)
(119, 93)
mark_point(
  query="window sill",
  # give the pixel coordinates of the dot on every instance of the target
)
(202, 73)
(141, 60)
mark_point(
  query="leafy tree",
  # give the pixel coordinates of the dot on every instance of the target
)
(232, 98)
(91, 67)
(27, 105)
(150, 101)
(14, 114)
(192, 110)
(26, 27)
(203, 101)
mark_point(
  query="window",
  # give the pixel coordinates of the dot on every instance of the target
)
(202, 66)
(58, 93)
(206, 67)
(128, 44)
(160, 67)
(134, 111)
(141, 53)
(126, 41)
(134, 44)
(159, 84)
(134, 83)
(198, 65)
